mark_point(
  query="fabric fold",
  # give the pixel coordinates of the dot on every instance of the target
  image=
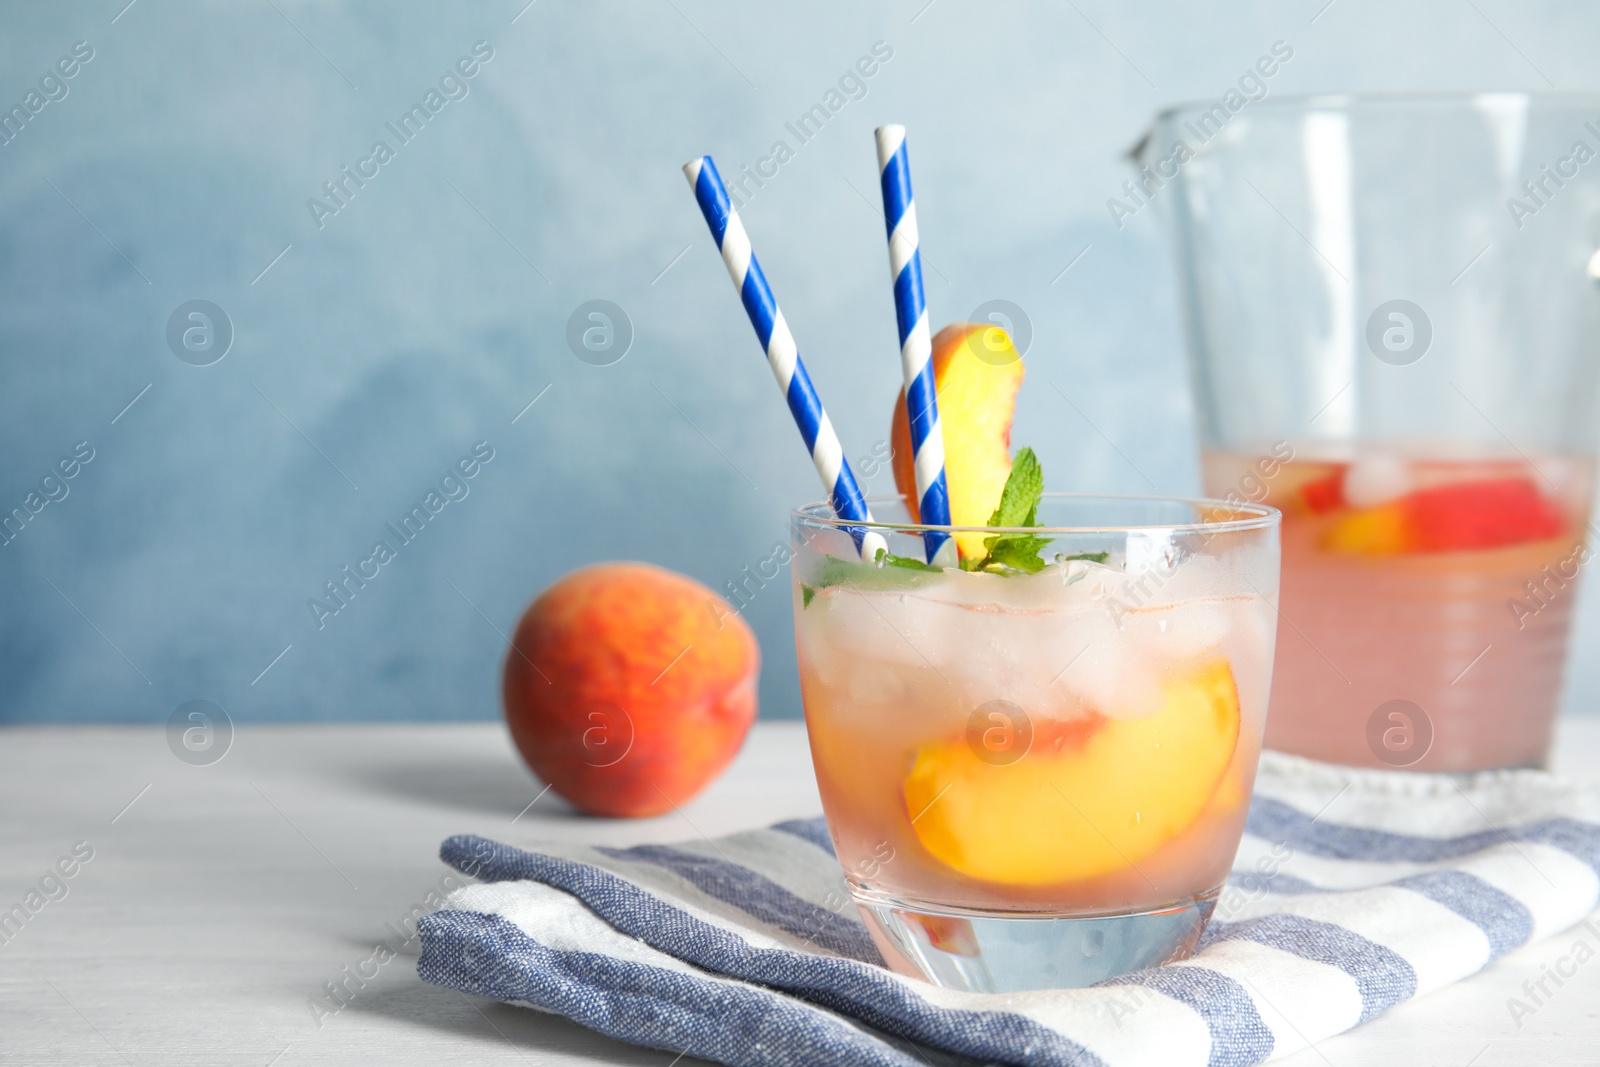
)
(1353, 892)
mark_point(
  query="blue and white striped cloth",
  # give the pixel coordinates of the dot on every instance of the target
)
(1353, 891)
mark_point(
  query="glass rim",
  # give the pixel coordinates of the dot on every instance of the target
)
(1252, 517)
(1421, 98)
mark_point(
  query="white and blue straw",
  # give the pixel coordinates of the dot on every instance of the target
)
(782, 354)
(916, 344)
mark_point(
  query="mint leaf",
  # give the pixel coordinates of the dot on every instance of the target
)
(1019, 506)
(1092, 557)
(806, 593)
(1019, 500)
(885, 559)
(835, 570)
(1017, 551)
(900, 572)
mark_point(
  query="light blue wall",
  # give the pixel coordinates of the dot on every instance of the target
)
(424, 315)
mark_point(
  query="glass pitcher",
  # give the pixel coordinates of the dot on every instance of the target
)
(1391, 310)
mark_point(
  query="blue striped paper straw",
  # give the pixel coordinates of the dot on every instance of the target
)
(916, 344)
(782, 353)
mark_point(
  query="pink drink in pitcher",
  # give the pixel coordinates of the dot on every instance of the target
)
(1425, 603)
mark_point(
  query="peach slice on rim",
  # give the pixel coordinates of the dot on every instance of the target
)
(976, 375)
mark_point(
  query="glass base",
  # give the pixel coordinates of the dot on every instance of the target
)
(1008, 952)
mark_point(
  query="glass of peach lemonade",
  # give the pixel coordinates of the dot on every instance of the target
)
(1035, 766)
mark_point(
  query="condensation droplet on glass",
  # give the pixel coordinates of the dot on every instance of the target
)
(1161, 626)
(1094, 942)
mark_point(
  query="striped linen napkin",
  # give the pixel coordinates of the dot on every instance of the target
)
(1353, 891)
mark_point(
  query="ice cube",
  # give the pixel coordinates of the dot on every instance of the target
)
(1376, 479)
(1097, 664)
(858, 622)
(1186, 631)
(873, 682)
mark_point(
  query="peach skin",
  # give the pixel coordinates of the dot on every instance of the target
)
(628, 688)
(976, 373)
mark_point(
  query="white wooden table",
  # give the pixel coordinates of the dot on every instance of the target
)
(220, 898)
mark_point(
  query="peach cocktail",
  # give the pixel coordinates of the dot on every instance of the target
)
(1039, 779)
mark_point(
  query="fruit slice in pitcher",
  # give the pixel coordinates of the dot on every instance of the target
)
(1463, 516)
(1099, 801)
(1324, 494)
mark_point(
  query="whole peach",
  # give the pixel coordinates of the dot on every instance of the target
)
(629, 687)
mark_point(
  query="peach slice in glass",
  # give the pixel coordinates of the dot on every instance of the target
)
(1084, 803)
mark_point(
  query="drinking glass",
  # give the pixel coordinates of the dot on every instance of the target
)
(1039, 780)
(1391, 312)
